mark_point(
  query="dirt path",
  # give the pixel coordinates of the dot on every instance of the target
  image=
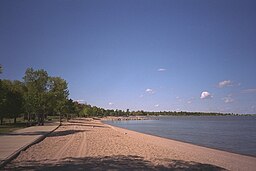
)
(74, 144)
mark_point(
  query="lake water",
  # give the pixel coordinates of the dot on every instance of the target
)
(230, 133)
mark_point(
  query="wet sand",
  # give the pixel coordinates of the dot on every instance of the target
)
(91, 145)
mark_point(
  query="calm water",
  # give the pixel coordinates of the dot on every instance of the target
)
(230, 133)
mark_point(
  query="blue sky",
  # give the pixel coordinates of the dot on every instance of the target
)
(156, 55)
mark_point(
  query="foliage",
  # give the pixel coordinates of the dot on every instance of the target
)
(11, 99)
(36, 97)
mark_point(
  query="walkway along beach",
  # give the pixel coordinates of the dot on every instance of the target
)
(91, 145)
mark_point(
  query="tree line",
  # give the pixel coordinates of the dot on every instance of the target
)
(39, 95)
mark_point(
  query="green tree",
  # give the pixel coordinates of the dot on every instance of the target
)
(3, 101)
(12, 99)
(70, 108)
(58, 91)
(36, 82)
(16, 100)
(85, 112)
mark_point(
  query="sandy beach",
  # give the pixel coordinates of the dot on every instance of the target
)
(84, 144)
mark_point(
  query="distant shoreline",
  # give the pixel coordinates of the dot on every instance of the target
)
(147, 117)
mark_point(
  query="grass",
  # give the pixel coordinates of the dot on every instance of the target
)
(7, 128)
(53, 118)
(10, 121)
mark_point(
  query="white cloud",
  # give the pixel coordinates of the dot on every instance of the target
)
(250, 90)
(205, 95)
(156, 105)
(189, 102)
(224, 83)
(150, 91)
(228, 99)
(110, 103)
(161, 69)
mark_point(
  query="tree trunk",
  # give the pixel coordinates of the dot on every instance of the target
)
(2, 119)
(15, 120)
(28, 119)
(60, 118)
(43, 119)
(39, 119)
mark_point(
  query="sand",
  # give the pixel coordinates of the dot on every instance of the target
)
(91, 145)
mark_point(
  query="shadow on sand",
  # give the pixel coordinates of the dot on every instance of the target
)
(54, 134)
(26, 133)
(119, 162)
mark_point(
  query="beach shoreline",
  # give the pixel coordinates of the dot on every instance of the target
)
(207, 153)
(214, 148)
(80, 143)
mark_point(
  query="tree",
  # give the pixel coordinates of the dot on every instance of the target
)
(16, 99)
(12, 99)
(70, 108)
(36, 82)
(58, 91)
(3, 101)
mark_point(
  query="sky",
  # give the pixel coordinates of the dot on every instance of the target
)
(153, 55)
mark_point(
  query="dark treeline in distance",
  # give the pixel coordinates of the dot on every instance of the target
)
(89, 111)
(39, 96)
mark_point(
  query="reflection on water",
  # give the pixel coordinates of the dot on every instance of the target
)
(231, 133)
